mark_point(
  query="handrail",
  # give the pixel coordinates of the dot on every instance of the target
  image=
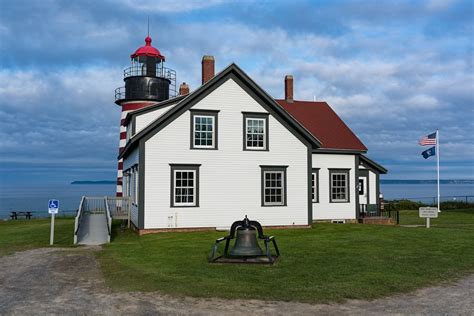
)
(109, 218)
(77, 220)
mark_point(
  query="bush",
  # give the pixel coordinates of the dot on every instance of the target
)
(455, 205)
(405, 205)
(412, 205)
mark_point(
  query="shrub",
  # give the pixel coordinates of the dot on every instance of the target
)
(413, 205)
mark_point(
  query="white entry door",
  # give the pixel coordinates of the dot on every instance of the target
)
(363, 190)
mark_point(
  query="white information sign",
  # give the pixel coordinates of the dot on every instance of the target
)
(428, 212)
(53, 209)
(53, 206)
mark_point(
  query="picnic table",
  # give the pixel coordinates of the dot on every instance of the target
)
(26, 215)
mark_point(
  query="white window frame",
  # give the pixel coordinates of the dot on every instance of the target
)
(247, 119)
(315, 186)
(194, 187)
(346, 175)
(213, 144)
(136, 185)
(282, 187)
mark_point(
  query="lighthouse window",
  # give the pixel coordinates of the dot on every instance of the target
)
(255, 131)
(184, 185)
(203, 129)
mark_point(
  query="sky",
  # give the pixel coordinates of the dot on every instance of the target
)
(393, 70)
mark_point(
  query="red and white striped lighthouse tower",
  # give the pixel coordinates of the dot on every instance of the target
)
(147, 82)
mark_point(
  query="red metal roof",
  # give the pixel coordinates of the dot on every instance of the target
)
(321, 121)
(148, 50)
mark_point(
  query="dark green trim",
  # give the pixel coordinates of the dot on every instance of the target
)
(356, 173)
(310, 191)
(141, 185)
(213, 113)
(337, 151)
(377, 190)
(372, 165)
(274, 166)
(175, 167)
(365, 174)
(316, 171)
(246, 83)
(347, 172)
(266, 168)
(255, 115)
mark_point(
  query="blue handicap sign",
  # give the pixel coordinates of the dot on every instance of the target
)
(53, 205)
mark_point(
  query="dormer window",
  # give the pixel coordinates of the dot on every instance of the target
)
(203, 129)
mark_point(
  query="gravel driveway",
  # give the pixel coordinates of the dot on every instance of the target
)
(69, 281)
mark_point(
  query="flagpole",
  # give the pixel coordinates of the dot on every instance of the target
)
(437, 163)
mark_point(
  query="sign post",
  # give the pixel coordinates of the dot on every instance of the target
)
(53, 208)
(428, 212)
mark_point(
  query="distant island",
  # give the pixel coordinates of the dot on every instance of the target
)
(384, 181)
(94, 182)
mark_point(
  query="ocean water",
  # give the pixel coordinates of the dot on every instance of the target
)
(35, 197)
(427, 192)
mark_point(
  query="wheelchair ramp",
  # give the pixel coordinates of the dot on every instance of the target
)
(93, 229)
(93, 222)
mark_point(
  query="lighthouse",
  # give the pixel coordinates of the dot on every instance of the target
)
(147, 81)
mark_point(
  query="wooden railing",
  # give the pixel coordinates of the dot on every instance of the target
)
(119, 207)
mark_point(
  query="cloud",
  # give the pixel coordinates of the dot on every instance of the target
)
(169, 6)
(394, 72)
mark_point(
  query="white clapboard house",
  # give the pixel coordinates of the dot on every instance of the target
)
(207, 158)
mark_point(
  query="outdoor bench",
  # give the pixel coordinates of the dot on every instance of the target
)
(26, 215)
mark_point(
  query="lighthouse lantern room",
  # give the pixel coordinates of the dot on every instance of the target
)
(147, 78)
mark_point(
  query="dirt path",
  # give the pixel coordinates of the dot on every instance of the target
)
(56, 281)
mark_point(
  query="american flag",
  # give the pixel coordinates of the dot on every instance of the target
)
(429, 140)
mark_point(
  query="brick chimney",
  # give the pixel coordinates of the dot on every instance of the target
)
(207, 68)
(289, 88)
(183, 89)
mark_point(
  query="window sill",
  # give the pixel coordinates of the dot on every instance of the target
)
(203, 148)
(281, 205)
(257, 149)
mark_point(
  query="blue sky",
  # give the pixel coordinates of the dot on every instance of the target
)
(394, 71)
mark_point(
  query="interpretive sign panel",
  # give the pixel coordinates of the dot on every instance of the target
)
(428, 212)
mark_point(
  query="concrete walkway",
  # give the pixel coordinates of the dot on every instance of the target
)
(69, 282)
(93, 229)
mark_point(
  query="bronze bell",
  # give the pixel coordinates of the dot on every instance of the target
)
(246, 244)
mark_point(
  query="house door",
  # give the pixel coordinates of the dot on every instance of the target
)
(363, 192)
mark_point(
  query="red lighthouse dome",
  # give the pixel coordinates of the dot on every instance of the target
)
(148, 50)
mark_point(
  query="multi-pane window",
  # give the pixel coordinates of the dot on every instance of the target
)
(185, 190)
(185, 185)
(314, 186)
(339, 186)
(255, 131)
(131, 184)
(135, 196)
(274, 186)
(203, 129)
(361, 186)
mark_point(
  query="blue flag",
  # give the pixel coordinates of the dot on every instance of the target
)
(429, 152)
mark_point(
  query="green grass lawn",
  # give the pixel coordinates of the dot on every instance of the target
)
(27, 234)
(331, 262)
